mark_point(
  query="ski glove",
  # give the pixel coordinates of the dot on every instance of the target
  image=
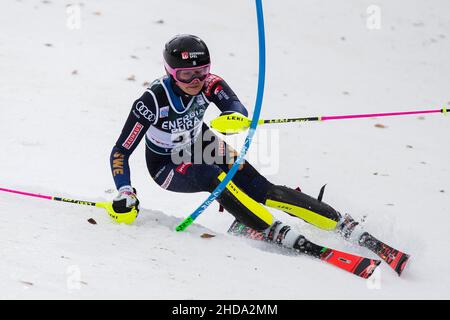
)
(125, 200)
(229, 131)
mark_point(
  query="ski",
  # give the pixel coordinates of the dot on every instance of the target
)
(394, 258)
(360, 266)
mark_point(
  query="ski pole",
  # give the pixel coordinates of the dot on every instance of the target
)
(235, 123)
(105, 205)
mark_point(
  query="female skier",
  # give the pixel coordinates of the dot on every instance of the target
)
(184, 155)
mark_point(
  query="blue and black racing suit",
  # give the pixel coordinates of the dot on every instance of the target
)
(184, 155)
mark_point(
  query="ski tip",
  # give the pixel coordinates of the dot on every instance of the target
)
(401, 263)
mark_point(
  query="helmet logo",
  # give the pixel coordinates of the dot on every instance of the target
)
(185, 55)
(191, 55)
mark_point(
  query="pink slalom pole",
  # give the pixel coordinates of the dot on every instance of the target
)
(27, 194)
(108, 206)
(41, 196)
(355, 116)
(373, 115)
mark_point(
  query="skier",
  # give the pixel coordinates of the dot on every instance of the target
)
(184, 155)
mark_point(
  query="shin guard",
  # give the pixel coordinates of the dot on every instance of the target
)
(301, 205)
(242, 207)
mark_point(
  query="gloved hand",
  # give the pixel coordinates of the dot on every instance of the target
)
(230, 122)
(126, 200)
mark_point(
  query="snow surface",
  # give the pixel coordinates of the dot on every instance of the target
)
(64, 96)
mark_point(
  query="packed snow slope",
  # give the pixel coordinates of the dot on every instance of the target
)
(69, 72)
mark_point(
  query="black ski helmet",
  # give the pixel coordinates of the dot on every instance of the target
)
(186, 51)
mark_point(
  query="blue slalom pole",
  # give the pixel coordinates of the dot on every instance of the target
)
(256, 114)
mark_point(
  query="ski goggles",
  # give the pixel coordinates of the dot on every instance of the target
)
(187, 75)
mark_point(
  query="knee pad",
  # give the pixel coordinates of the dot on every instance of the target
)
(303, 206)
(242, 207)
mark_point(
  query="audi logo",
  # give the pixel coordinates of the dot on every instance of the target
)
(145, 112)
